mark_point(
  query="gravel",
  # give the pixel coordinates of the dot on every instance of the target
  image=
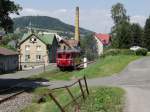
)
(16, 104)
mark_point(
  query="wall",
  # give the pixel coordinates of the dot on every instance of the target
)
(9, 63)
(99, 46)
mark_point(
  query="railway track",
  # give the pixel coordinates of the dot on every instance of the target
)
(10, 93)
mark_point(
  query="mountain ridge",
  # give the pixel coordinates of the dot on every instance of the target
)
(45, 22)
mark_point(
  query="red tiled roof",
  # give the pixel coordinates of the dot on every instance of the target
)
(6, 52)
(104, 38)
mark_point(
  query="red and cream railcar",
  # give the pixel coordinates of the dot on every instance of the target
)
(68, 59)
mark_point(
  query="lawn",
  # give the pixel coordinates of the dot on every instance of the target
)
(103, 67)
(101, 99)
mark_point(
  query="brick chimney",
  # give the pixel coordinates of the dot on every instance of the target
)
(77, 32)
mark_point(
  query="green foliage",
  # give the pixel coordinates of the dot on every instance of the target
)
(45, 22)
(104, 100)
(118, 13)
(113, 52)
(136, 35)
(121, 36)
(101, 99)
(147, 34)
(141, 52)
(11, 37)
(125, 34)
(89, 47)
(6, 8)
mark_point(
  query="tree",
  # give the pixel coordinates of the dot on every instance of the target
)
(118, 13)
(7, 7)
(136, 35)
(121, 35)
(89, 47)
(146, 38)
(121, 30)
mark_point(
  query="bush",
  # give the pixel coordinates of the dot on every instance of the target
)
(141, 52)
(127, 52)
(113, 52)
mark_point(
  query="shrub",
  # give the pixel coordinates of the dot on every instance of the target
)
(141, 52)
(111, 52)
(127, 52)
(114, 52)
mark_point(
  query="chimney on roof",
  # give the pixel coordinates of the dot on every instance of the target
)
(77, 32)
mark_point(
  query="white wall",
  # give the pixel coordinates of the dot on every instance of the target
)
(99, 46)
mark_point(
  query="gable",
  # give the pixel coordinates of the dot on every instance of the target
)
(29, 42)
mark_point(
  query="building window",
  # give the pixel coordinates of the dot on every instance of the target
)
(38, 57)
(27, 57)
(27, 47)
(38, 48)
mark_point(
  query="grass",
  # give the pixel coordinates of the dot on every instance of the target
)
(103, 67)
(101, 99)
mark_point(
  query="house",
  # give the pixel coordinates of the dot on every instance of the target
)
(9, 60)
(104, 38)
(38, 48)
(65, 44)
(102, 41)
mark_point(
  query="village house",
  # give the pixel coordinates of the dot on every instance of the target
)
(102, 41)
(9, 60)
(38, 48)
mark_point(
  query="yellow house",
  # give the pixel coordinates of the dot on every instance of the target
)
(36, 49)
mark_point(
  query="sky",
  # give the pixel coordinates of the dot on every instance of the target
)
(94, 14)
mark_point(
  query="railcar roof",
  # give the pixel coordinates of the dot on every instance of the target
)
(68, 51)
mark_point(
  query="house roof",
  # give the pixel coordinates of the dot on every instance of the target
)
(72, 42)
(104, 38)
(45, 38)
(7, 52)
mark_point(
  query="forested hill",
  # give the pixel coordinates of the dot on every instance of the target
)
(45, 22)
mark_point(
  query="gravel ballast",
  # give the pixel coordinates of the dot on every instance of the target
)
(16, 104)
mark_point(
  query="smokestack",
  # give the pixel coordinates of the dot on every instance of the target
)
(77, 32)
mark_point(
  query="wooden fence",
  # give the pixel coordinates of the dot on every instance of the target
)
(83, 94)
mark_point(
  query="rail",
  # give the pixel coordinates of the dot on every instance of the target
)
(11, 96)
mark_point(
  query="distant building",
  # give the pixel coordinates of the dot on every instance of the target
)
(102, 41)
(104, 38)
(38, 48)
(9, 60)
(66, 44)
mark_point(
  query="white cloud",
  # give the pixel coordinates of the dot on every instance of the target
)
(139, 19)
(94, 19)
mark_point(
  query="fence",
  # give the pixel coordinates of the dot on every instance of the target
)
(74, 99)
(25, 65)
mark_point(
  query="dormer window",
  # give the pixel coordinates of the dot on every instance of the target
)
(33, 40)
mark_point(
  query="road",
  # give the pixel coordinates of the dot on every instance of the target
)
(7, 80)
